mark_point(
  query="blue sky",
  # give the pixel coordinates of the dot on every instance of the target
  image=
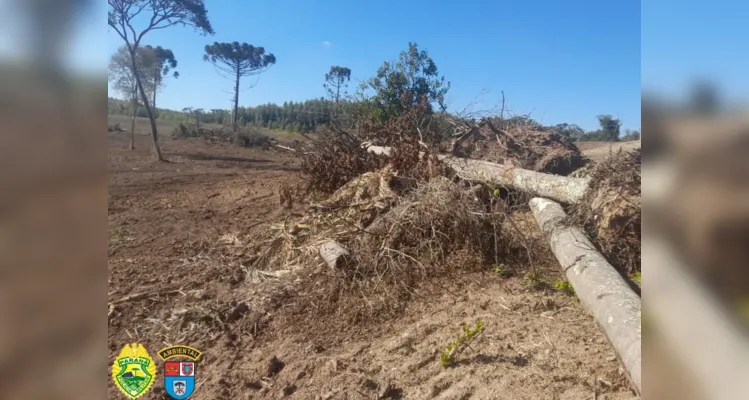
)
(562, 61)
(696, 39)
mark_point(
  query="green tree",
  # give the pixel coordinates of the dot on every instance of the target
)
(195, 112)
(336, 79)
(158, 14)
(402, 84)
(161, 62)
(236, 60)
(610, 128)
(631, 135)
(120, 74)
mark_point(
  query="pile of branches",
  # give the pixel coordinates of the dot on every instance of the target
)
(525, 146)
(338, 156)
(610, 210)
(393, 234)
(246, 137)
(397, 218)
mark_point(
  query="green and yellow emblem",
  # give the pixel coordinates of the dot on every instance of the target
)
(133, 371)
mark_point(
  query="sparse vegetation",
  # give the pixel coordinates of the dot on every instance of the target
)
(503, 271)
(454, 349)
(533, 280)
(564, 287)
(636, 277)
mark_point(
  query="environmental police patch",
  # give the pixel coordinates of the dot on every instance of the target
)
(133, 371)
(179, 371)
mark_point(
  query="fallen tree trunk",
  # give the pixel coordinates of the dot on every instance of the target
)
(335, 255)
(559, 188)
(600, 288)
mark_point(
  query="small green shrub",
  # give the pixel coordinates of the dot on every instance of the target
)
(637, 278)
(502, 271)
(464, 340)
(533, 280)
(564, 287)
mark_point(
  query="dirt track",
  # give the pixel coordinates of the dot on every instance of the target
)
(171, 228)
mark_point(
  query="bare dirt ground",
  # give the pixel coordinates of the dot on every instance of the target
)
(170, 225)
(596, 151)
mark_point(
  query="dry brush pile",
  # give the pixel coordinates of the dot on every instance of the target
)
(381, 229)
(364, 251)
(524, 146)
(610, 211)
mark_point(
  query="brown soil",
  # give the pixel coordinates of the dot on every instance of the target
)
(172, 236)
(597, 151)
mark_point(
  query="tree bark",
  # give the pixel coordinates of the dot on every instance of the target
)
(144, 98)
(155, 86)
(154, 99)
(236, 107)
(335, 255)
(600, 288)
(559, 188)
(152, 120)
(134, 107)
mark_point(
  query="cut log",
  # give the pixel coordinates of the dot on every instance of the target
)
(563, 189)
(335, 255)
(559, 188)
(601, 289)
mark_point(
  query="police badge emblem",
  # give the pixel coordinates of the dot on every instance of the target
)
(133, 371)
(179, 370)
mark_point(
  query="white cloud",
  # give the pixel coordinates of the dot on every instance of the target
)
(327, 43)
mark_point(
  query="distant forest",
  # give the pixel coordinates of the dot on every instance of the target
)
(307, 116)
(291, 116)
